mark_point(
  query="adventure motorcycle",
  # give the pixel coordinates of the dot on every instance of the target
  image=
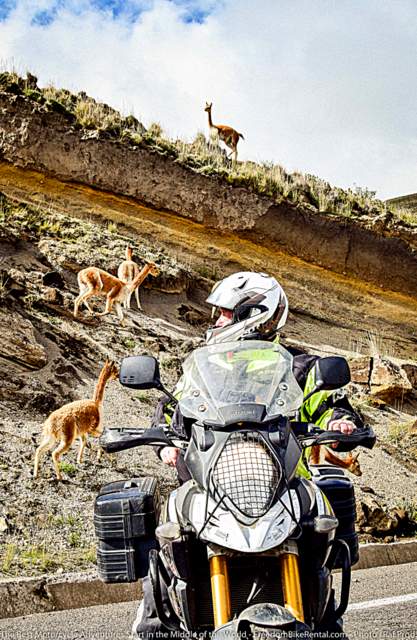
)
(247, 546)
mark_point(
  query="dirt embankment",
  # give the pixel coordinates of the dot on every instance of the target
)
(48, 358)
(373, 249)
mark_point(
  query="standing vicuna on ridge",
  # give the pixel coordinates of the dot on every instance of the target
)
(75, 420)
(127, 271)
(93, 281)
(228, 135)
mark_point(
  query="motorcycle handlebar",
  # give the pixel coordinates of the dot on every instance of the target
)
(364, 437)
(121, 438)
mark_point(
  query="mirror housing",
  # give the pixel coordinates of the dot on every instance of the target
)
(140, 372)
(331, 373)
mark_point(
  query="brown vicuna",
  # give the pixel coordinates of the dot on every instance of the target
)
(228, 135)
(75, 420)
(93, 281)
(350, 462)
(127, 271)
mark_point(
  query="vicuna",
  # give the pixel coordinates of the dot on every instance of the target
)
(127, 271)
(228, 135)
(350, 462)
(93, 281)
(75, 420)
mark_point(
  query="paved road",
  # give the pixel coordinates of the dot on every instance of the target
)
(383, 606)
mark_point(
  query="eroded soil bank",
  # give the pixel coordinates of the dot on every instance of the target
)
(377, 249)
(326, 307)
(47, 358)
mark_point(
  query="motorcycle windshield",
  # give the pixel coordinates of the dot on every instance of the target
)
(250, 381)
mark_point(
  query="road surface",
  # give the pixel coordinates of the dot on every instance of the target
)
(383, 606)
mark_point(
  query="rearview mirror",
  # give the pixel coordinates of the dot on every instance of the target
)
(331, 373)
(140, 372)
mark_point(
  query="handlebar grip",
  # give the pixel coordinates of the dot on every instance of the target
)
(119, 439)
(346, 442)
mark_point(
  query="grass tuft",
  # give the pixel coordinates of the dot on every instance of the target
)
(68, 468)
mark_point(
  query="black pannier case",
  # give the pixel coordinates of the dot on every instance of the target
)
(340, 493)
(126, 514)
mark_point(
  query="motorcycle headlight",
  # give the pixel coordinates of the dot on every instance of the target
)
(247, 474)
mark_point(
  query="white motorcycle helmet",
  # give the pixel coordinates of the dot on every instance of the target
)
(252, 305)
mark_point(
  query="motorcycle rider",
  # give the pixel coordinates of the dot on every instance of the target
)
(254, 306)
(251, 306)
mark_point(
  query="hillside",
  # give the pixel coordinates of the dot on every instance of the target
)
(76, 139)
(64, 208)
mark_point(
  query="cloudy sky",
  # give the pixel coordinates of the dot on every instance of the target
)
(321, 86)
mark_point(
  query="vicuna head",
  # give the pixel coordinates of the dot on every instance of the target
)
(354, 466)
(110, 370)
(153, 269)
(208, 106)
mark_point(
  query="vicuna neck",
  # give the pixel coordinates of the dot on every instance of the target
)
(139, 278)
(211, 125)
(100, 386)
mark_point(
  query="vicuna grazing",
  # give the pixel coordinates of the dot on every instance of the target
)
(75, 420)
(93, 281)
(350, 462)
(127, 271)
(228, 135)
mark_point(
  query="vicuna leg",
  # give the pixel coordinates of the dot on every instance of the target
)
(137, 298)
(63, 446)
(83, 442)
(46, 443)
(127, 300)
(119, 311)
(108, 308)
(82, 298)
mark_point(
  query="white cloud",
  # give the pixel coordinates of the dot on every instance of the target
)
(321, 86)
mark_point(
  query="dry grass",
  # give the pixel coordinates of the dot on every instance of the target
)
(398, 431)
(93, 115)
(407, 216)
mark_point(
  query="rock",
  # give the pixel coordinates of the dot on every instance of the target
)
(368, 490)
(190, 314)
(18, 342)
(373, 518)
(3, 525)
(31, 81)
(359, 369)
(411, 372)
(54, 296)
(388, 380)
(53, 279)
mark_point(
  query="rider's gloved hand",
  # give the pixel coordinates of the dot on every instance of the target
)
(169, 455)
(343, 425)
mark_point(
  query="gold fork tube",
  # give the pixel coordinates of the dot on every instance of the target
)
(291, 585)
(220, 590)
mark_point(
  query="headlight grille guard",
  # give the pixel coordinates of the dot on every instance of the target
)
(246, 475)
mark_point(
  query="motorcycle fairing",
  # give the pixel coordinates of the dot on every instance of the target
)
(223, 529)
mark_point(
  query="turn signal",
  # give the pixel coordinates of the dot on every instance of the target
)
(168, 531)
(325, 524)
